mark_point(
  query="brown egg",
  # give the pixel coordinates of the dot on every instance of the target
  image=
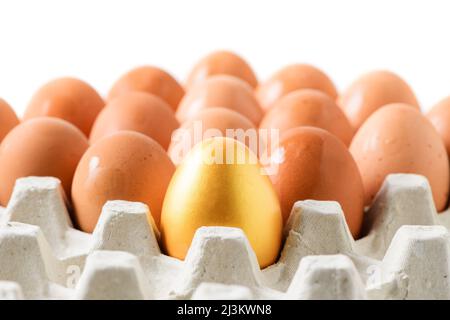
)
(308, 107)
(126, 165)
(399, 139)
(136, 111)
(8, 118)
(220, 91)
(40, 147)
(439, 116)
(372, 91)
(67, 98)
(221, 62)
(314, 164)
(208, 123)
(290, 78)
(151, 80)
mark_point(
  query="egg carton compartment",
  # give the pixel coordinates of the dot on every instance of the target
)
(405, 253)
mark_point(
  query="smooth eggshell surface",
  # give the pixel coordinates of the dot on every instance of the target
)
(308, 107)
(220, 183)
(372, 91)
(151, 80)
(136, 111)
(290, 78)
(8, 118)
(399, 139)
(220, 91)
(208, 123)
(221, 62)
(439, 116)
(314, 164)
(123, 166)
(40, 147)
(69, 99)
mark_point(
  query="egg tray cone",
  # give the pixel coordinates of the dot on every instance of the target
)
(405, 254)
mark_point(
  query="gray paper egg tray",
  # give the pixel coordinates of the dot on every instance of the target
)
(405, 254)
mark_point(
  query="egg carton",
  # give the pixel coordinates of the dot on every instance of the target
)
(405, 253)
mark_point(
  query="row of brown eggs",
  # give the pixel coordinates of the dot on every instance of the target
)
(332, 147)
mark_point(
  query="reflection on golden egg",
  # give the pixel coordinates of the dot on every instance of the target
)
(221, 183)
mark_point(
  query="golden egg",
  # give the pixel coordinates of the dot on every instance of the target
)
(221, 183)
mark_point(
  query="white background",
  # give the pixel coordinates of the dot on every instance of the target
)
(99, 40)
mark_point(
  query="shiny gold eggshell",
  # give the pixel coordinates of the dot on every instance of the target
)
(151, 80)
(233, 194)
(221, 62)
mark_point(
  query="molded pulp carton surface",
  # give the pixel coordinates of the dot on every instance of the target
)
(405, 253)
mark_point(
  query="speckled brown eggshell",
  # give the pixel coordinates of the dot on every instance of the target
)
(209, 122)
(439, 116)
(151, 80)
(40, 147)
(220, 91)
(126, 165)
(372, 91)
(397, 138)
(221, 62)
(290, 78)
(136, 111)
(308, 107)
(314, 164)
(69, 99)
(8, 118)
